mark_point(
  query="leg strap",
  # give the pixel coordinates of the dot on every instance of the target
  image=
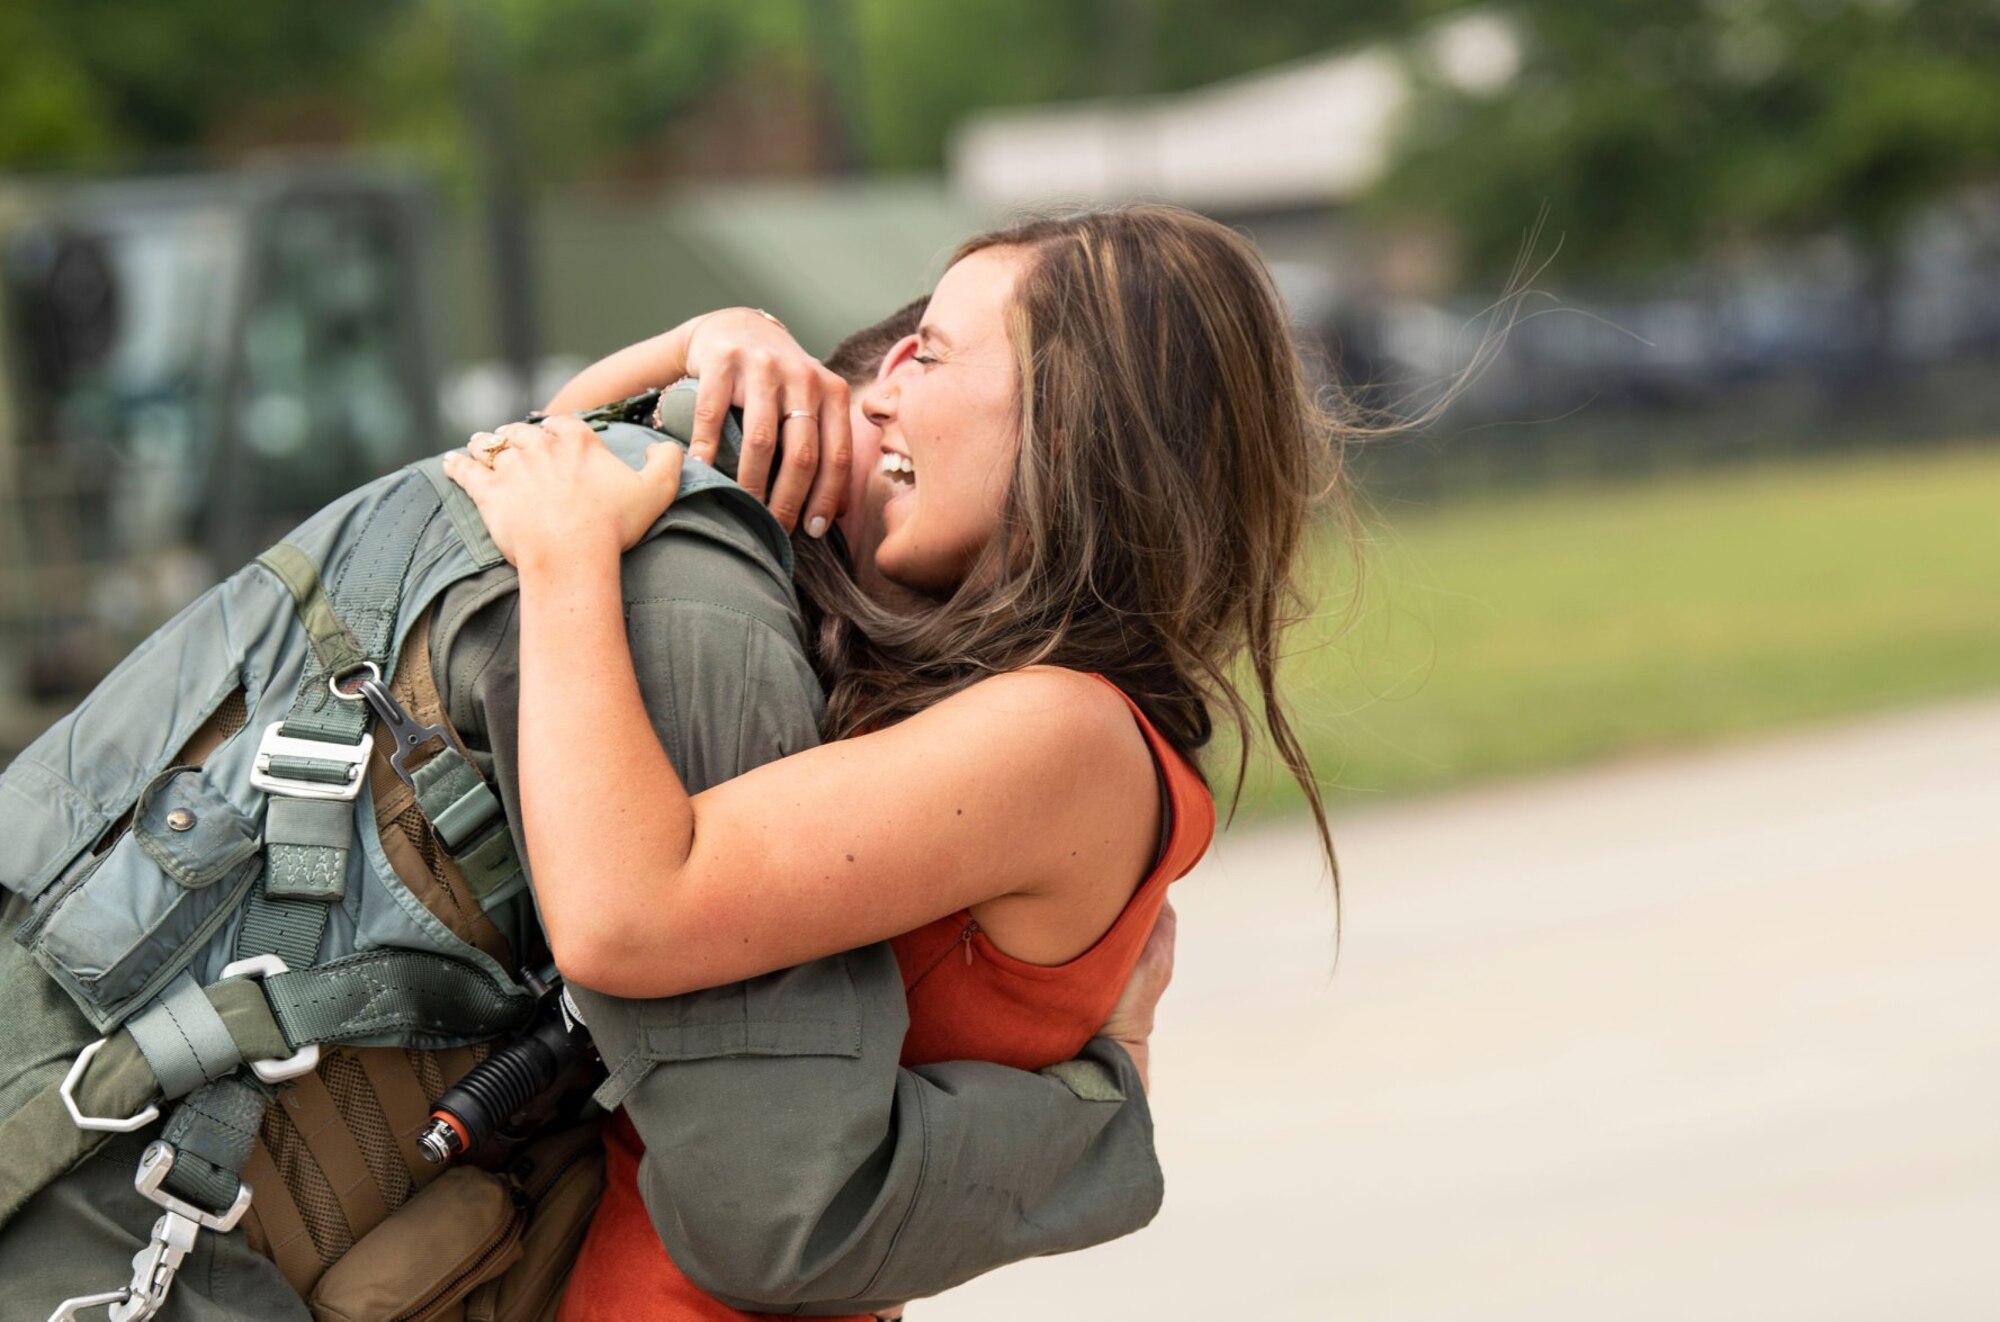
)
(391, 996)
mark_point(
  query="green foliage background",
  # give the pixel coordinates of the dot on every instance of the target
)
(1652, 129)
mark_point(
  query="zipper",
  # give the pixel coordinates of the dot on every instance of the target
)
(508, 1232)
(964, 943)
(525, 1194)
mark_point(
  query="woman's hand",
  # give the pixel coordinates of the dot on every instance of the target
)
(746, 358)
(556, 491)
(1131, 1021)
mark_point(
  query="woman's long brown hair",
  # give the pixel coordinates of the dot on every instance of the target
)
(1171, 451)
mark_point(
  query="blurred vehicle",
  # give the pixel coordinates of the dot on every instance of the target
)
(190, 365)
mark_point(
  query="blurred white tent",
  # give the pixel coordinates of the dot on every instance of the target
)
(1311, 134)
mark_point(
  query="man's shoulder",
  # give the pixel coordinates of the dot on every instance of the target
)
(705, 551)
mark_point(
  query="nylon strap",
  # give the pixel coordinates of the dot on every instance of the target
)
(463, 513)
(352, 623)
(428, 1000)
(212, 1133)
(184, 1039)
(470, 823)
(40, 1140)
(455, 799)
(333, 647)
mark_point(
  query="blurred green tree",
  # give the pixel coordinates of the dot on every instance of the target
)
(95, 82)
(1654, 130)
(924, 66)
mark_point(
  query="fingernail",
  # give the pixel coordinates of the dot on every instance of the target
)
(816, 526)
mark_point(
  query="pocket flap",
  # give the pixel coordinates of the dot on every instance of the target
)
(459, 1230)
(187, 827)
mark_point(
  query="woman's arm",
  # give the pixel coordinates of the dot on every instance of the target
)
(1035, 784)
(745, 358)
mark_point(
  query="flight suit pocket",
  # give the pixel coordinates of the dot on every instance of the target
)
(811, 1010)
(113, 934)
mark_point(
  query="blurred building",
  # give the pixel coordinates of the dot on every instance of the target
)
(1284, 153)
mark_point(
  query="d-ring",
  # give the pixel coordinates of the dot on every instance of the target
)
(333, 681)
(101, 1124)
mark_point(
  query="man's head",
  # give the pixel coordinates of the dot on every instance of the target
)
(860, 358)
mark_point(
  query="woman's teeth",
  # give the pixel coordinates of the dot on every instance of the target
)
(899, 468)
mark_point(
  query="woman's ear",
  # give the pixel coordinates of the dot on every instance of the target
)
(899, 353)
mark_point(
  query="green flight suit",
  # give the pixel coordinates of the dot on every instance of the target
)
(792, 1166)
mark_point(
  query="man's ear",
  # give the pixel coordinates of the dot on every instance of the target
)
(899, 353)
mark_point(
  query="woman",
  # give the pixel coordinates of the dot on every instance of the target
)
(1098, 453)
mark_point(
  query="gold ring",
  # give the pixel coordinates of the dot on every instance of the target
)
(801, 413)
(485, 453)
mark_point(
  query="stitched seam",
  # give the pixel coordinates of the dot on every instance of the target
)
(923, 1170)
(187, 1041)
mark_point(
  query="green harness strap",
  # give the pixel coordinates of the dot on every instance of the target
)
(429, 1000)
(352, 627)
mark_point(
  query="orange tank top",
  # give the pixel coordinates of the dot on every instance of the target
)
(969, 1000)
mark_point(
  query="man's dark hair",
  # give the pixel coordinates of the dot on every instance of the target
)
(859, 356)
(822, 571)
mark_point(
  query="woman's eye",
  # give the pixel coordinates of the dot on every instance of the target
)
(926, 359)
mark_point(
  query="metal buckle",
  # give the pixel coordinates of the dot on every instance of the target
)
(302, 1061)
(352, 756)
(100, 1124)
(154, 1168)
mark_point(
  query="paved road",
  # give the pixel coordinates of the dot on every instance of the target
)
(1713, 1037)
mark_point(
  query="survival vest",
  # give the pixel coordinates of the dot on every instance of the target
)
(221, 916)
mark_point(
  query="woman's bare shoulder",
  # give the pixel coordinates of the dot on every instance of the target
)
(1070, 706)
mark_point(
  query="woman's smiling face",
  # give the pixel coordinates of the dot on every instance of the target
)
(946, 405)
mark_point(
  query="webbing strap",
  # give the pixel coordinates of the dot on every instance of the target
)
(426, 1000)
(457, 802)
(289, 929)
(332, 647)
(184, 1039)
(429, 1000)
(41, 1141)
(351, 623)
(470, 823)
(365, 595)
(212, 1133)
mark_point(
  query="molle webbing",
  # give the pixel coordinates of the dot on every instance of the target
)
(338, 1154)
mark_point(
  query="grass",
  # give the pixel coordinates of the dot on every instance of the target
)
(1553, 628)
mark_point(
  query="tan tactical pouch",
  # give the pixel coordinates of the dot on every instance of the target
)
(366, 1229)
(474, 1245)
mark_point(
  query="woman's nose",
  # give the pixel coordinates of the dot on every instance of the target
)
(878, 400)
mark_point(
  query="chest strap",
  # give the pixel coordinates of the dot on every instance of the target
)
(312, 762)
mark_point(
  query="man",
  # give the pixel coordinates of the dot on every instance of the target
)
(791, 1163)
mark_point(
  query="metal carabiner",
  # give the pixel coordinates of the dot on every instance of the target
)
(69, 1310)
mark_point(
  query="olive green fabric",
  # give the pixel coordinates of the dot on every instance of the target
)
(791, 1165)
